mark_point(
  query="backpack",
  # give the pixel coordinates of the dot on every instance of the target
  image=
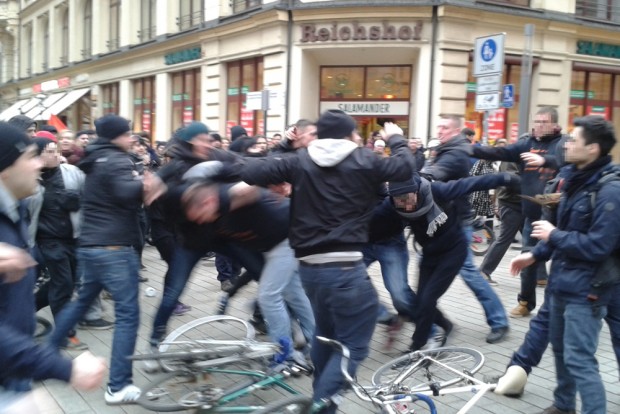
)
(608, 272)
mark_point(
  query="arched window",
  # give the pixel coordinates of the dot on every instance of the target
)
(64, 41)
(88, 30)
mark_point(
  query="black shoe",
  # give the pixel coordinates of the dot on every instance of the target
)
(97, 324)
(259, 326)
(496, 335)
(143, 279)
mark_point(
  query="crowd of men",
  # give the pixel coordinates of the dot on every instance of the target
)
(305, 216)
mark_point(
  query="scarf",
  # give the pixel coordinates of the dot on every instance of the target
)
(578, 178)
(434, 215)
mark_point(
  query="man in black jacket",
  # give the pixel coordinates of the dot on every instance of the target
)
(111, 202)
(334, 193)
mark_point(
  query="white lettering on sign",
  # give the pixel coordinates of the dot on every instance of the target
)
(368, 108)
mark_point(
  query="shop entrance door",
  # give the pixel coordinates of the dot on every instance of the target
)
(366, 125)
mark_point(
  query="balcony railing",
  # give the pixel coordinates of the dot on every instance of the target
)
(112, 44)
(147, 34)
(605, 10)
(189, 20)
(87, 53)
(242, 5)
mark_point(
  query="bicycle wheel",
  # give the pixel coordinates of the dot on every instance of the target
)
(191, 337)
(465, 360)
(481, 241)
(295, 404)
(177, 391)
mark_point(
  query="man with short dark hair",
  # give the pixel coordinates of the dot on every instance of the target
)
(585, 235)
(335, 183)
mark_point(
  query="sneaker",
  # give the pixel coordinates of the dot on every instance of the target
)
(299, 359)
(259, 326)
(74, 344)
(150, 366)
(222, 304)
(181, 309)
(554, 410)
(226, 285)
(106, 295)
(129, 394)
(143, 279)
(436, 341)
(496, 335)
(520, 310)
(541, 283)
(491, 281)
(96, 324)
(512, 383)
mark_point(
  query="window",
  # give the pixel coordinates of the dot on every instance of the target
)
(109, 96)
(144, 105)
(147, 20)
(64, 41)
(115, 20)
(244, 76)
(185, 97)
(28, 54)
(191, 14)
(45, 28)
(598, 9)
(242, 5)
(365, 82)
(520, 3)
(87, 30)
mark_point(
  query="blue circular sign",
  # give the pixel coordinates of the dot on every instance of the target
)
(488, 50)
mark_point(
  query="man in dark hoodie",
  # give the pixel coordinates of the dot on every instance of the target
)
(111, 202)
(23, 123)
(21, 359)
(335, 183)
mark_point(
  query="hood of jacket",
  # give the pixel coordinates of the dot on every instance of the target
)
(328, 152)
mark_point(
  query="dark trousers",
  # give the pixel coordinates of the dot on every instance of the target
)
(531, 274)
(227, 268)
(511, 222)
(59, 257)
(436, 275)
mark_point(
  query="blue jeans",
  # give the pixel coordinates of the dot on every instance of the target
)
(280, 286)
(179, 271)
(493, 308)
(345, 303)
(574, 330)
(393, 256)
(113, 269)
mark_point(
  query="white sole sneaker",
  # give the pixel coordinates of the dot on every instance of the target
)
(129, 394)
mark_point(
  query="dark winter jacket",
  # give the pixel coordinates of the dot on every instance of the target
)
(533, 179)
(112, 197)
(584, 237)
(20, 357)
(334, 190)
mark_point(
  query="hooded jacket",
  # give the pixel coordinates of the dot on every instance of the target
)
(112, 197)
(334, 190)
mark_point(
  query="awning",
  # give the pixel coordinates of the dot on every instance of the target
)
(37, 112)
(12, 110)
(63, 103)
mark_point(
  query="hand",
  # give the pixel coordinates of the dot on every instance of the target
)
(542, 229)
(389, 129)
(282, 190)
(532, 160)
(153, 187)
(14, 262)
(520, 262)
(88, 372)
(291, 134)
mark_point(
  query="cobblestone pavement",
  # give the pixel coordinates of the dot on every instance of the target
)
(459, 304)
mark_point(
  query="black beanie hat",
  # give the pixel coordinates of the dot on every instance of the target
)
(13, 143)
(111, 126)
(193, 129)
(334, 124)
(41, 143)
(403, 187)
(237, 131)
(22, 122)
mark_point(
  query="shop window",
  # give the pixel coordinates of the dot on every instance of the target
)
(388, 82)
(242, 77)
(365, 82)
(185, 97)
(109, 98)
(342, 82)
(191, 14)
(144, 105)
(242, 5)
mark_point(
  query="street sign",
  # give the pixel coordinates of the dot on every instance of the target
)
(486, 84)
(487, 101)
(254, 101)
(489, 55)
(508, 96)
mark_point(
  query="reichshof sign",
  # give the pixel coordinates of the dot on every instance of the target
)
(489, 55)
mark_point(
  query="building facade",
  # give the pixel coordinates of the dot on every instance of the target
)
(163, 63)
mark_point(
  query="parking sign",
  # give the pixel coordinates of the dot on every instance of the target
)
(489, 55)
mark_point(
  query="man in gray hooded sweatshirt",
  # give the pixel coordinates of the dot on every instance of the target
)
(334, 186)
